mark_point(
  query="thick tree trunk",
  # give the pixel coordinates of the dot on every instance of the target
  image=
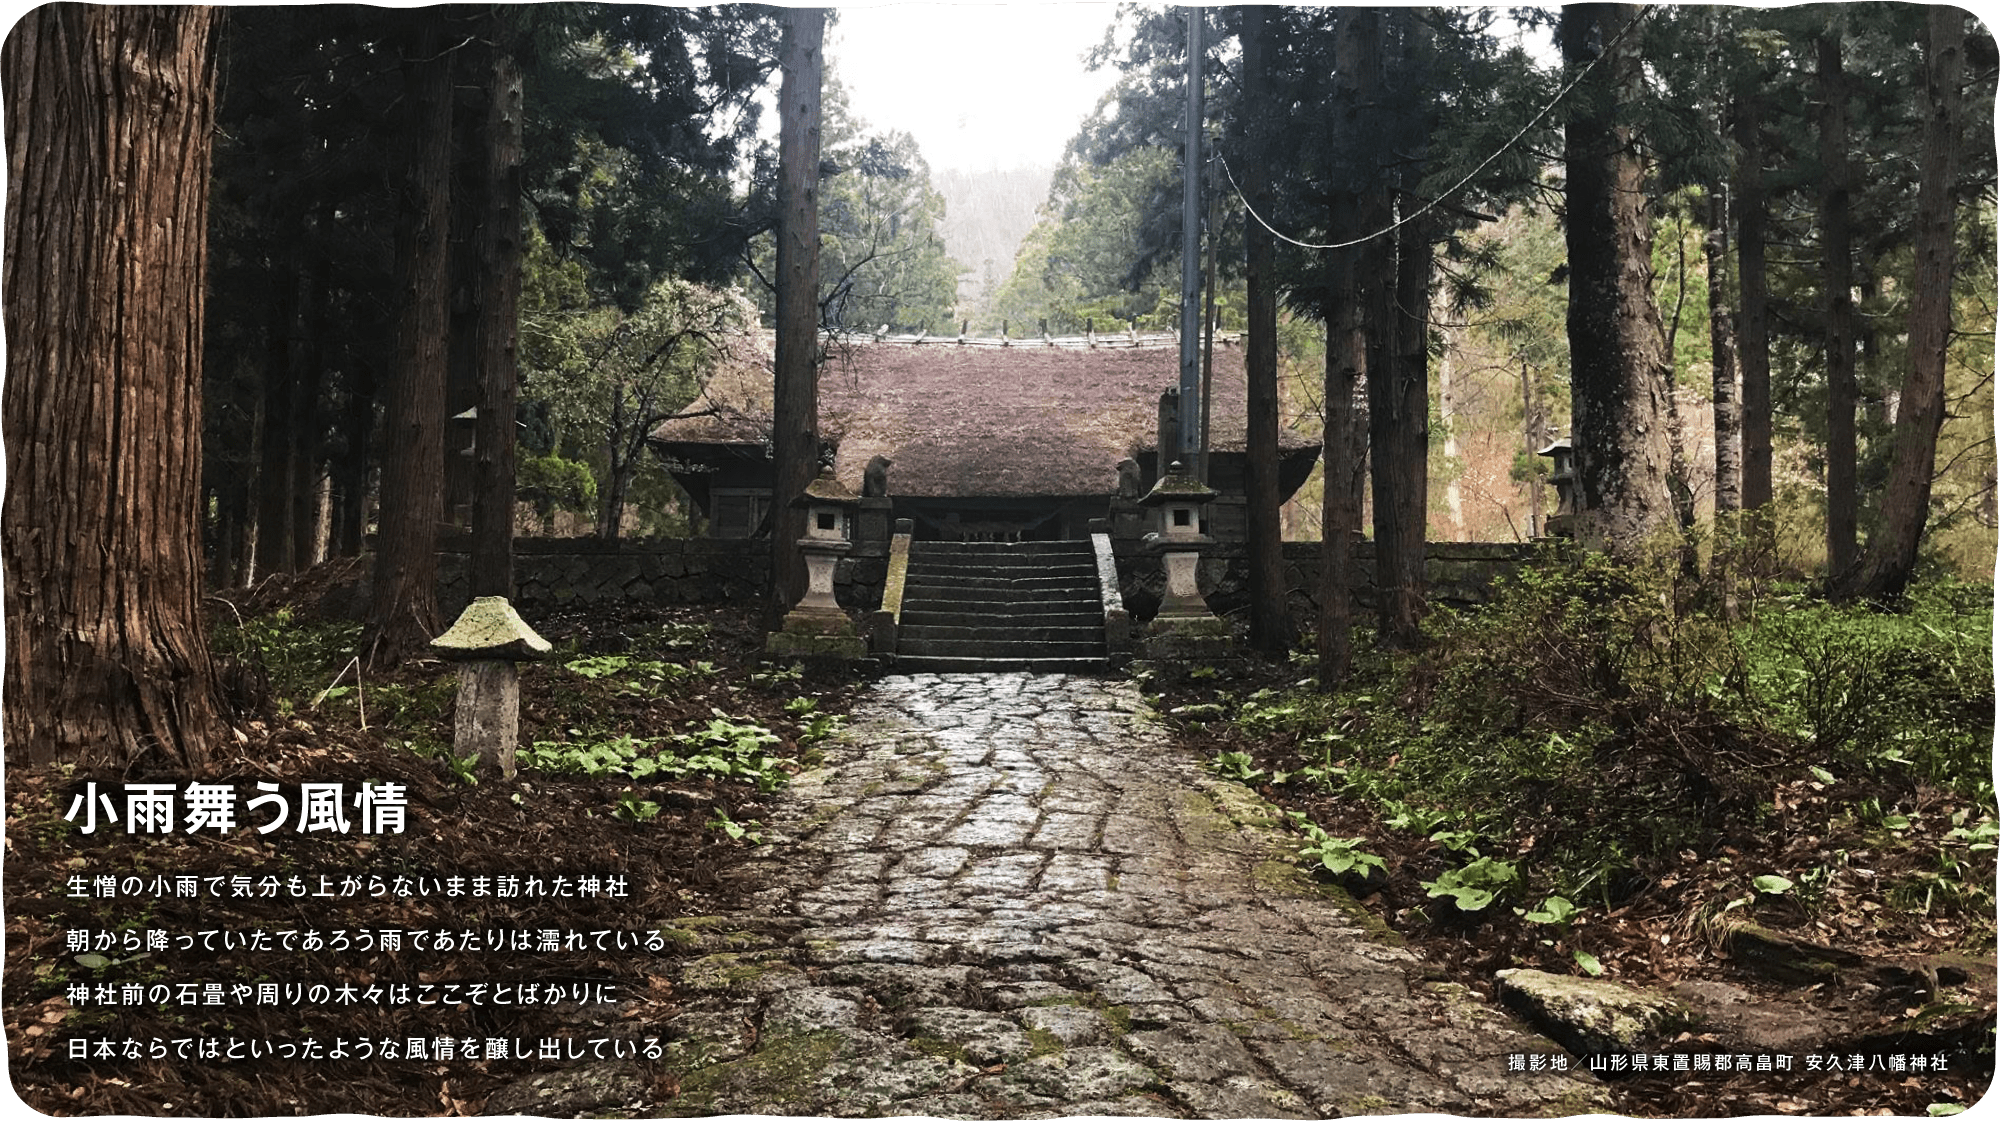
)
(1837, 249)
(358, 425)
(1722, 348)
(275, 445)
(1358, 37)
(109, 120)
(1891, 555)
(404, 615)
(1399, 445)
(1754, 324)
(1616, 345)
(308, 458)
(795, 396)
(1271, 629)
(498, 303)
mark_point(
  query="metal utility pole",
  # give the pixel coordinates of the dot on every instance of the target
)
(1191, 435)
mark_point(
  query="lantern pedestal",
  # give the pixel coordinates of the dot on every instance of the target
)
(1184, 630)
(487, 642)
(817, 628)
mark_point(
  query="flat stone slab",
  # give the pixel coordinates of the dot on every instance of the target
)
(1009, 895)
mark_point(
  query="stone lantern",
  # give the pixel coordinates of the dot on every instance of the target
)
(1562, 523)
(817, 626)
(1183, 613)
(488, 641)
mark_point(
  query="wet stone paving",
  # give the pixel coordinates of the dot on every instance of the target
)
(1010, 895)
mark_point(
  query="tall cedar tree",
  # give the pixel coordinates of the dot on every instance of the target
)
(1399, 387)
(1271, 627)
(109, 118)
(1616, 342)
(1753, 338)
(1891, 554)
(1356, 66)
(498, 304)
(403, 615)
(795, 396)
(1837, 252)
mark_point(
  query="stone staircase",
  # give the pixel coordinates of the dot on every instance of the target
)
(989, 607)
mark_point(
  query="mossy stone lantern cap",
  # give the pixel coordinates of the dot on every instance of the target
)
(1180, 497)
(828, 505)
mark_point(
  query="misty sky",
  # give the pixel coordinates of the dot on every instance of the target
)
(979, 85)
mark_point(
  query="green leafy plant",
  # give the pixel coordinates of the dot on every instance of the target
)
(1342, 854)
(1237, 765)
(750, 831)
(1554, 911)
(1475, 886)
(634, 809)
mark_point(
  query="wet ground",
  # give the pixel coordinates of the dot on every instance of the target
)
(1008, 895)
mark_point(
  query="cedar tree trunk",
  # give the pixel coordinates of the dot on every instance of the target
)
(795, 395)
(1753, 353)
(404, 615)
(1836, 246)
(1357, 38)
(1616, 344)
(1271, 628)
(1891, 555)
(109, 120)
(1722, 348)
(1399, 445)
(497, 304)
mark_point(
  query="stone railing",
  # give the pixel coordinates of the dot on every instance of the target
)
(1117, 621)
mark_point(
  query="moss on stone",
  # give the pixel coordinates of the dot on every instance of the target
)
(716, 972)
(939, 1048)
(1289, 879)
(780, 1070)
(1042, 1042)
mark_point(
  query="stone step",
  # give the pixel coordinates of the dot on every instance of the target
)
(1085, 584)
(997, 648)
(929, 664)
(961, 597)
(998, 548)
(994, 631)
(1023, 566)
(1000, 614)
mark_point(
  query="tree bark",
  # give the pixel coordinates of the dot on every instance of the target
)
(276, 449)
(404, 614)
(1271, 629)
(498, 303)
(109, 124)
(1837, 249)
(1399, 427)
(1357, 39)
(1891, 554)
(795, 395)
(1615, 337)
(308, 458)
(1754, 324)
(1722, 348)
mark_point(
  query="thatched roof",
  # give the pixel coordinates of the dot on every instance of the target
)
(974, 418)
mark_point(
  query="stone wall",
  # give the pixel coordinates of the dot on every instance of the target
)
(558, 572)
(573, 571)
(1457, 574)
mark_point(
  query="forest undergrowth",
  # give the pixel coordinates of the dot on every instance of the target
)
(655, 736)
(1600, 772)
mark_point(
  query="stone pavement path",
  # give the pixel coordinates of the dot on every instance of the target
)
(1009, 896)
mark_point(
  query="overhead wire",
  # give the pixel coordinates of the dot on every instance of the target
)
(1469, 176)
